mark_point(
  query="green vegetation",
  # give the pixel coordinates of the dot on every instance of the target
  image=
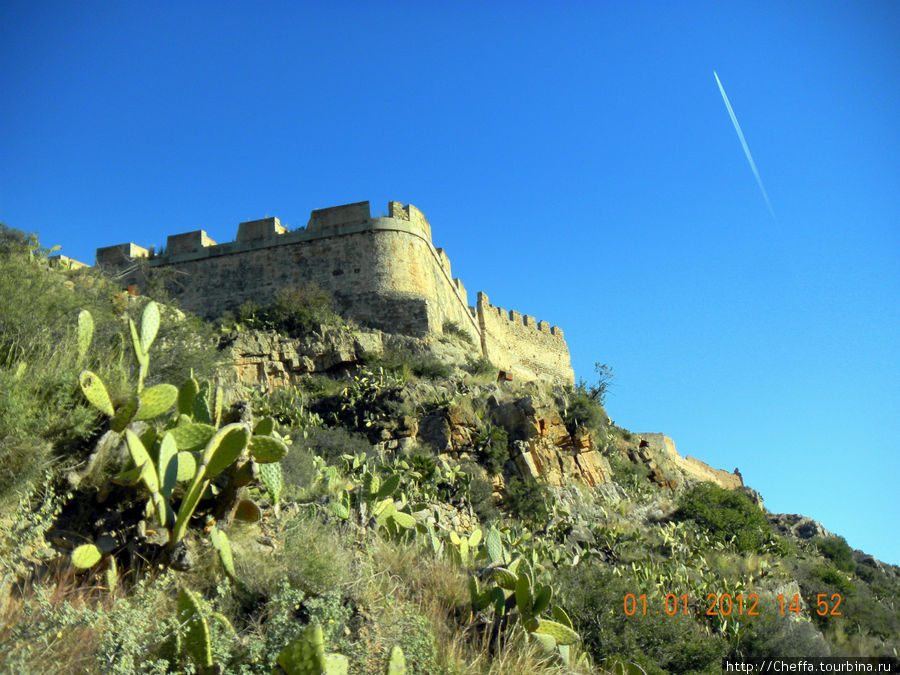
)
(527, 500)
(492, 448)
(295, 311)
(656, 641)
(349, 523)
(837, 551)
(585, 402)
(728, 516)
(454, 330)
(403, 365)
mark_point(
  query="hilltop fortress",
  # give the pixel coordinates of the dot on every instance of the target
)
(383, 272)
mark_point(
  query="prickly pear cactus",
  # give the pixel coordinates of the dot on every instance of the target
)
(563, 635)
(306, 656)
(86, 555)
(397, 664)
(197, 640)
(85, 333)
(271, 476)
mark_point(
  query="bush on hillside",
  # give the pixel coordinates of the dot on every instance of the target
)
(585, 402)
(594, 598)
(453, 329)
(41, 404)
(838, 551)
(294, 311)
(332, 442)
(727, 515)
(527, 500)
(403, 364)
(492, 448)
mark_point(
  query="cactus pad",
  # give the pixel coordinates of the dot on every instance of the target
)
(267, 449)
(192, 436)
(271, 477)
(397, 664)
(224, 448)
(197, 639)
(85, 332)
(85, 556)
(562, 634)
(149, 325)
(156, 400)
(95, 392)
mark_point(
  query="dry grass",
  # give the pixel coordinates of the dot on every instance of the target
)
(27, 610)
(438, 590)
(66, 622)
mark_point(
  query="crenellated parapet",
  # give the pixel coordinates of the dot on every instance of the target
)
(520, 343)
(384, 271)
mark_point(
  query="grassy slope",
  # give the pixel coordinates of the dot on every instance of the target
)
(374, 587)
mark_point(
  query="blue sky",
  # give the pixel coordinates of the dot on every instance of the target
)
(575, 160)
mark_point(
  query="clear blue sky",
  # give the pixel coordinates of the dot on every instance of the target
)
(576, 161)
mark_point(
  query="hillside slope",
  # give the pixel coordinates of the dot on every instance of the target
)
(478, 525)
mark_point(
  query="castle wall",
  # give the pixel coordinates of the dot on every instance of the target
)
(383, 272)
(522, 345)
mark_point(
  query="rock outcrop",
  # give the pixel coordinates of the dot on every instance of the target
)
(797, 526)
(543, 448)
(658, 453)
(271, 360)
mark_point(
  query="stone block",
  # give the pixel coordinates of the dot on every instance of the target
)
(188, 242)
(257, 230)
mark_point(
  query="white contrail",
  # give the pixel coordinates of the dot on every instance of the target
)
(737, 128)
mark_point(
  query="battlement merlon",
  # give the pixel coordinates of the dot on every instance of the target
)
(323, 223)
(263, 229)
(188, 242)
(516, 318)
(120, 254)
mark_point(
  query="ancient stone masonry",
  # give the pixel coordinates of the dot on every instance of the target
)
(384, 272)
(657, 451)
(522, 344)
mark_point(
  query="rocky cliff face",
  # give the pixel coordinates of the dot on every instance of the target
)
(268, 360)
(540, 444)
(658, 453)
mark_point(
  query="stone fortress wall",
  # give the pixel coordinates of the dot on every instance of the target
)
(383, 271)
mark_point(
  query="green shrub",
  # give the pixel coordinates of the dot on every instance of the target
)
(838, 551)
(453, 329)
(492, 448)
(332, 442)
(726, 515)
(627, 473)
(772, 635)
(286, 406)
(482, 501)
(402, 364)
(583, 410)
(594, 598)
(832, 579)
(316, 386)
(313, 557)
(480, 367)
(527, 499)
(294, 311)
(298, 470)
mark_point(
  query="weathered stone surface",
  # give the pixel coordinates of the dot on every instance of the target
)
(273, 360)
(544, 449)
(658, 453)
(383, 272)
(797, 526)
(435, 431)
